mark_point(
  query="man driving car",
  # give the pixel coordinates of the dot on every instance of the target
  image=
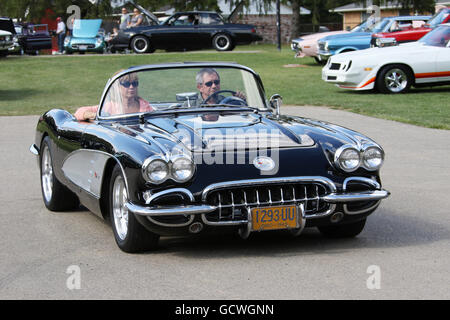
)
(208, 83)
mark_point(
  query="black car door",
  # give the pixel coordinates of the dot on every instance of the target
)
(178, 32)
(209, 24)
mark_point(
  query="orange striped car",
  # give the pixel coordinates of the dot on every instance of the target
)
(394, 69)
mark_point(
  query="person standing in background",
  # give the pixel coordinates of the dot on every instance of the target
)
(61, 33)
(124, 19)
(136, 19)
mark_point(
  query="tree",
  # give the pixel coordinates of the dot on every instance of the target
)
(296, 21)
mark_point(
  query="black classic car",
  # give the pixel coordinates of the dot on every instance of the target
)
(185, 148)
(184, 31)
(30, 38)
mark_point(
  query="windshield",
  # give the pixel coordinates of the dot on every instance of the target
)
(182, 88)
(364, 26)
(438, 17)
(378, 27)
(438, 37)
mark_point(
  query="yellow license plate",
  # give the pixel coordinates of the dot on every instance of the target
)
(273, 218)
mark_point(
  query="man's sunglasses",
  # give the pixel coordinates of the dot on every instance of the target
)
(210, 83)
(127, 84)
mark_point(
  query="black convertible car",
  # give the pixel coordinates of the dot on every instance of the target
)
(184, 31)
(184, 148)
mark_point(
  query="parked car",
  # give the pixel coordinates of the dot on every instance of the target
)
(7, 33)
(30, 38)
(207, 30)
(340, 43)
(85, 37)
(413, 34)
(394, 69)
(191, 164)
(306, 46)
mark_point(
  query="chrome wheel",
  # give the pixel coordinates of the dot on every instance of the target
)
(396, 80)
(140, 44)
(120, 212)
(222, 42)
(47, 174)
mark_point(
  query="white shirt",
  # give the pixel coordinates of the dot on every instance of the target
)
(61, 27)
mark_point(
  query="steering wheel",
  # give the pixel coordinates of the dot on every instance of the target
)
(228, 100)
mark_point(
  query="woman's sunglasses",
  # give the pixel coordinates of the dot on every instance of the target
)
(210, 83)
(127, 84)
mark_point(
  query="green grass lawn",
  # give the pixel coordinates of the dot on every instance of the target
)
(32, 85)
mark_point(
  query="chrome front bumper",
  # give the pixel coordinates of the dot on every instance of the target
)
(203, 209)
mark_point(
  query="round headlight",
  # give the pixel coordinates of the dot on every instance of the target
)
(348, 159)
(182, 169)
(373, 158)
(326, 46)
(156, 171)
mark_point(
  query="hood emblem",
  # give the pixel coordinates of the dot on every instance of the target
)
(264, 163)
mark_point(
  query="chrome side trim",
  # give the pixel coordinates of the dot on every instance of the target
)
(34, 149)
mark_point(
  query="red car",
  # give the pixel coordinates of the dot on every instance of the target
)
(409, 32)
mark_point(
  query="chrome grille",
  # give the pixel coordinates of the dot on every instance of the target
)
(233, 203)
(88, 46)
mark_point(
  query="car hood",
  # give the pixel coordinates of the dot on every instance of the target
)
(402, 50)
(7, 25)
(319, 35)
(340, 37)
(396, 33)
(86, 28)
(200, 132)
(4, 33)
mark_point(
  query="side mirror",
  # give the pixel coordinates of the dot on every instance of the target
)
(275, 102)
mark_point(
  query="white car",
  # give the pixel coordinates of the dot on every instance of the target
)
(6, 41)
(394, 69)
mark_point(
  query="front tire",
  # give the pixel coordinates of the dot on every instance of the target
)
(222, 42)
(394, 79)
(348, 230)
(320, 61)
(56, 196)
(140, 44)
(129, 234)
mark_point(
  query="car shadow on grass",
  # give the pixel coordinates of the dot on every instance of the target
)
(17, 94)
(383, 230)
